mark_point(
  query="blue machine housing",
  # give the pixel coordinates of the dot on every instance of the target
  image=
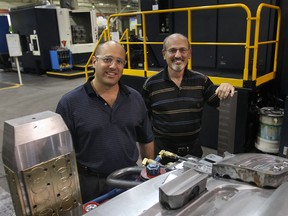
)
(61, 59)
(4, 29)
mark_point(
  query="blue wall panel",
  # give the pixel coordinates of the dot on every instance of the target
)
(4, 29)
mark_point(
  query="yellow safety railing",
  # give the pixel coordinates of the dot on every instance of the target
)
(102, 36)
(126, 36)
(246, 76)
(271, 75)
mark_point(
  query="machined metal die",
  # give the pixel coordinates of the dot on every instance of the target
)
(40, 165)
(180, 190)
(203, 165)
(263, 170)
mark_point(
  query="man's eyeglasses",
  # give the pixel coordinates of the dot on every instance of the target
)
(110, 59)
(181, 50)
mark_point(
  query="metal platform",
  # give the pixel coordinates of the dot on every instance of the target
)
(66, 74)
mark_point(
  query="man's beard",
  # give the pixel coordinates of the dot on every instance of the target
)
(176, 67)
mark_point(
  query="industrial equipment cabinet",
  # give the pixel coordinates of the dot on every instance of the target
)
(61, 59)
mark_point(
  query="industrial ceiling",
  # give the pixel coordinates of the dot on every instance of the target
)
(101, 6)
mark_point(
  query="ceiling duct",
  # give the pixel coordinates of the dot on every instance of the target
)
(32, 5)
(71, 4)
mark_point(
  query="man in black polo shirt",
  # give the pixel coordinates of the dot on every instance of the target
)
(175, 98)
(106, 118)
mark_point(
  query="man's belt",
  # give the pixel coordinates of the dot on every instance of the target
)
(87, 170)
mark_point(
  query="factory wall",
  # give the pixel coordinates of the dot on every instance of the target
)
(4, 55)
(212, 25)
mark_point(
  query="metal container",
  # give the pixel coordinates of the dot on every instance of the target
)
(40, 165)
(270, 125)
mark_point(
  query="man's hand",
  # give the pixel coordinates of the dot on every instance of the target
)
(224, 90)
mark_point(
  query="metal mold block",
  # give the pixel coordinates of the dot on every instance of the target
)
(50, 187)
(179, 191)
(261, 169)
(40, 164)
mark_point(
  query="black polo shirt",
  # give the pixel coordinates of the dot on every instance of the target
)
(105, 137)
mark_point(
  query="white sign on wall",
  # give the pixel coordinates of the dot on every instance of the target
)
(14, 46)
(115, 36)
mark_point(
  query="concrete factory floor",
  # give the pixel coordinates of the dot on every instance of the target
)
(37, 94)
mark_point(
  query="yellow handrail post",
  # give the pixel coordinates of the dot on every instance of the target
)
(144, 43)
(277, 40)
(256, 45)
(90, 58)
(270, 75)
(247, 43)
(190, 36)
(126, 34)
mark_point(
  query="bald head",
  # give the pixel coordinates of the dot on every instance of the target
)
(109, 45)
(173, 37)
